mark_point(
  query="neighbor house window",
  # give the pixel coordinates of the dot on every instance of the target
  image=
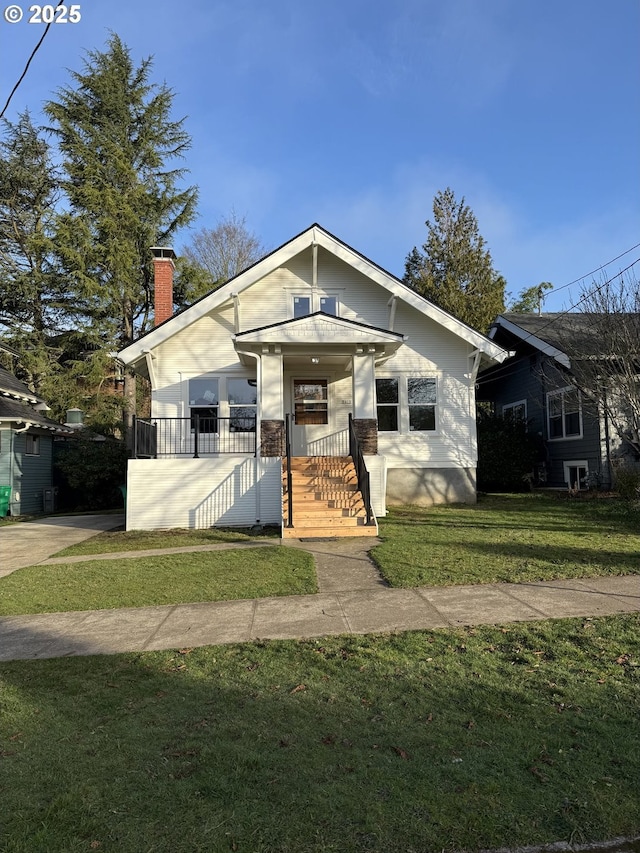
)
(242, 395)
(387, 404)
(515, 411)
(576, 473)
(32, 445)
(564, 413)
(421, 398)
(203, 404)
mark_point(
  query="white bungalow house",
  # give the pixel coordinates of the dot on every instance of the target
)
(311, 390)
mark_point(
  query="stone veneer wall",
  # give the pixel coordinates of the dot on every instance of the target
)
(272, 441)
(366, 430)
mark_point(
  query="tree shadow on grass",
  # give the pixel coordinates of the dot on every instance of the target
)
(425, 741)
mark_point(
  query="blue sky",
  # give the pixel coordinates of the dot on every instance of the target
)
(355, 113)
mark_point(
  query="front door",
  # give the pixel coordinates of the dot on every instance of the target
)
(310, 415)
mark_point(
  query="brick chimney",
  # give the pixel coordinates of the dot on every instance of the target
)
(163, 269)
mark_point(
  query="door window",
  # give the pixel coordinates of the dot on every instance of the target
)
(310, 401)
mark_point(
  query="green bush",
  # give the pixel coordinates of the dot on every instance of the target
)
(89, 471)
(626, 479)
(507, 453)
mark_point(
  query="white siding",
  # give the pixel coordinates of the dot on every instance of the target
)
(430, 350)
(377, 468)
(200, 493)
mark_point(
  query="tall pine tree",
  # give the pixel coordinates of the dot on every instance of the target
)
(33, 295)
(454, 269)
(118, 144)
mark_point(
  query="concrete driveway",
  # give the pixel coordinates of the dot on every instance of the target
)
(25, 543)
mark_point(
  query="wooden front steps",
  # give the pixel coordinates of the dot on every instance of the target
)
(326, 499)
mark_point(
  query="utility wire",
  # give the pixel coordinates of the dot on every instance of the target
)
(598, 269)
(508, 368)
(26, 68)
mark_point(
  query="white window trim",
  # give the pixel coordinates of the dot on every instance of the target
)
(398, 405)
(574, 463)
(436, 405)
(403, 403)
(314, 297)
(563, 437)
(510, 406)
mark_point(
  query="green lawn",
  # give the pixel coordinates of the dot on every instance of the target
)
(508, 538)
(167, 579)
(424, 741)
(112, 541)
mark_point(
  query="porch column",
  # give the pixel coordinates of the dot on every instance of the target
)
(365, 422)
(272, 423)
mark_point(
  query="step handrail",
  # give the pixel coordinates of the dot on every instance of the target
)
(287, 438)
(364, 483)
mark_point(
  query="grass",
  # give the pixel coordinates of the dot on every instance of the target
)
(112, 541)
(508, 538)
(170, 579)
(423, 741)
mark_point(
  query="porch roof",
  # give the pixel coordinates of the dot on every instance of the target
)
(321, 328)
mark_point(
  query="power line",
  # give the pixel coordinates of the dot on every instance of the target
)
(26, 68)
(598, 269)
(508, 368)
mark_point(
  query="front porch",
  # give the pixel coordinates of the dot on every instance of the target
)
(185, 477)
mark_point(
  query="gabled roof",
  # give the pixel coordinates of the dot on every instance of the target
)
(16, 413)
(314, 235)
(17, 404)
(319, 326)
(12, 387)
(557, 334)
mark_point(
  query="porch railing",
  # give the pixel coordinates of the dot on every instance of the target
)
(364, 485)
(287, 439)
(194, 436)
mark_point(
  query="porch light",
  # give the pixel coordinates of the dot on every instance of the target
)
(315, 359)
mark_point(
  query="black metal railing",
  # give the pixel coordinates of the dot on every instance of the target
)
(194, 436)
(287, 439)
(364, 485)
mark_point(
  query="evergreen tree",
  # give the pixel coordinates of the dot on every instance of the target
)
(530, 299)
(33, 295)
(117, 141)
(454, 269)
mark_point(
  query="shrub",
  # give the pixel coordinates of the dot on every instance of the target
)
(507, 454)
(89, 470)
(626, 478)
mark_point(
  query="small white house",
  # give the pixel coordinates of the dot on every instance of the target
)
(316, 355)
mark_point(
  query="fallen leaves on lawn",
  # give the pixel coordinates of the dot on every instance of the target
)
(401, 752)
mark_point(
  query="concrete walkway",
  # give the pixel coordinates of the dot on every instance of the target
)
(353, 599)
(26, 543)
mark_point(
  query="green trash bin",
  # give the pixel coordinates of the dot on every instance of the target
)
(5, 497)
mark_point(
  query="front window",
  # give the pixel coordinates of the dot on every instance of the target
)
(203, 404)
(421, 397)
(387, 404)
(243, 398)
(564, 414)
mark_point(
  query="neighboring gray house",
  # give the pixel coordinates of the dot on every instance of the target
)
(26, 448)
(578, 439)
